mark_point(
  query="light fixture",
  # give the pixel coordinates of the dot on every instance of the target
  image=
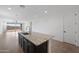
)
(9, 8)
(45, 11)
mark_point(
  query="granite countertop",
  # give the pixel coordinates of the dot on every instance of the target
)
(37, 38)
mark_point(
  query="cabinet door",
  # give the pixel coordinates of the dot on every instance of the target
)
(31, 47)
(25, 45)
(69, 27)
(20, 40)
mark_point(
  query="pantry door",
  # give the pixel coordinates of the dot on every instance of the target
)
(68, 28)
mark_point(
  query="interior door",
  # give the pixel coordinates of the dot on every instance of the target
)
(77, 28)
(68, 28)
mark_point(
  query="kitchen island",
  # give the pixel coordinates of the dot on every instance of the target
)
(34, 42)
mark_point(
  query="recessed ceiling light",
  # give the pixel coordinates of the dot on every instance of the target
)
(9, 8)
(45, 11)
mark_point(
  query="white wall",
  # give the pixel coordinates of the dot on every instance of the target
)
(49, 25)
(1, 26)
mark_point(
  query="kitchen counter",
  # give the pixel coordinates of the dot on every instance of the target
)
(37, 38)
(34, 42)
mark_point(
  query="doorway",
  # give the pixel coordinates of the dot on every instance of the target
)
(14, 27)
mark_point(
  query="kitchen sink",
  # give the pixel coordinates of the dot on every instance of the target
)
(25, 33)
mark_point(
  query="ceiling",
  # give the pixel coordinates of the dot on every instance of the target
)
(29, 12)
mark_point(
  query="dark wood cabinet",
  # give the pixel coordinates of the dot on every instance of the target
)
(20, 40)
(29, 47)
(43, 48)
(32, 48)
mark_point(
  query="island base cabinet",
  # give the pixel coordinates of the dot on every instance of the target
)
(43, 48)
(29, 47)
